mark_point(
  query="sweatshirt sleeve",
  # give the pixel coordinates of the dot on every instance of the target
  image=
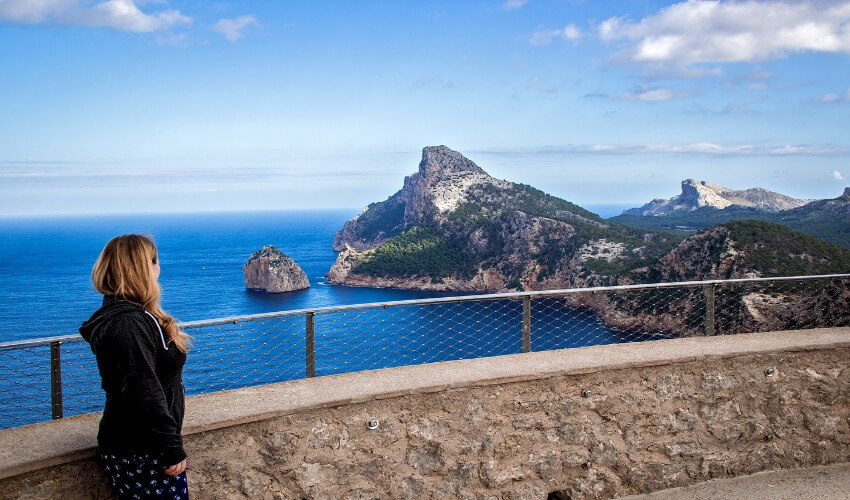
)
(135, 353)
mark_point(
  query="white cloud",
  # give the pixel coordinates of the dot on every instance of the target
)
(33, 11)
(545, 36)
(695, 149)
(124, 15)
(834, 97)
(231, 29)
(571, 32)
(120, 15)
(837, 175)
(514, 4)
(714, 31)
(652, 94)
(714, 149)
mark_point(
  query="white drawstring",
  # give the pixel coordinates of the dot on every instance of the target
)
(161, 336)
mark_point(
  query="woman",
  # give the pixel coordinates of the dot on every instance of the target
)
(140, 355)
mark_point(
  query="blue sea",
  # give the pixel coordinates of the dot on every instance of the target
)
(45, 266)
(45, 291)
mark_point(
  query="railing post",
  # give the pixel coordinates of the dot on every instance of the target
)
(55, 381)
(708, 291)
(310, 347)
(526, 324)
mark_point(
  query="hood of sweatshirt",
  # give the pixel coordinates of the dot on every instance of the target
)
(112, 306)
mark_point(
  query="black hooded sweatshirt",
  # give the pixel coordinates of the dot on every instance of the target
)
(142, 377)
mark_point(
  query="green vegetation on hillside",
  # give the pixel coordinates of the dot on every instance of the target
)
(693, 220)
(421, 251)
(490, 199)
(776, 250)
(530, 199)
(485, 204)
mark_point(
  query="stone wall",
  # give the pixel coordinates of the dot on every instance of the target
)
(594, 422)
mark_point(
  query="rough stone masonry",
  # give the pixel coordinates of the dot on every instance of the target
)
(595, 435)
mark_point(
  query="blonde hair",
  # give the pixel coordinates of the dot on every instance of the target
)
(124, 270)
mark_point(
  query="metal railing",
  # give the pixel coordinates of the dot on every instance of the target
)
(265, 348)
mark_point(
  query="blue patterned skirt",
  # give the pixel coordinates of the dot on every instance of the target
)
(137, 476)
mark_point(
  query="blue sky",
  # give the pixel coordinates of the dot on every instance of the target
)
(155, 106)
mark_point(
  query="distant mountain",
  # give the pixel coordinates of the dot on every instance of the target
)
(696, 195)
(820, 212)
(826, 219)
(454, 227)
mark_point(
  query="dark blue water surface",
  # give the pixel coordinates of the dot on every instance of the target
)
(45, 266)
(45, 290)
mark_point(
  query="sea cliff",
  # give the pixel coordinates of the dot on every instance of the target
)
(452, 226)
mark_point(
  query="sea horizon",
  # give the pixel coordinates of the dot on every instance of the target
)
(604, 210)
(45, 265)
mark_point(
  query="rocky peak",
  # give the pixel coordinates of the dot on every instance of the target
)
(439, 162)
(698, 194)
(441, 184)
(701, 194)
(846, 192)
(446, 186)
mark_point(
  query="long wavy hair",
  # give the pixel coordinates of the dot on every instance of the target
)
(124, 270)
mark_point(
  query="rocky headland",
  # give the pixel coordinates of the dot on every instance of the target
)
(698, 194)
(454, 227)
(268, 269)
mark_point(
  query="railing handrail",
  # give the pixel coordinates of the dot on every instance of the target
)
(461, 298)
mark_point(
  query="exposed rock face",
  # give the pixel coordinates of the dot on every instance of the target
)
(270, 270)
(443, 182)
(704, 194)
(454, 227)
(710, 254)
(739, 249)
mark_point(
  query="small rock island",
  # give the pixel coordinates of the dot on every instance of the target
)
(271, 270)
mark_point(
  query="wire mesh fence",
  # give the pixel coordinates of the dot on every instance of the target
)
(51, 378)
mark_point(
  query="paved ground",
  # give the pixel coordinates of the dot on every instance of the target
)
(826, 482)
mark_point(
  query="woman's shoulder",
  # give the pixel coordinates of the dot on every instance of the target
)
(130, 322)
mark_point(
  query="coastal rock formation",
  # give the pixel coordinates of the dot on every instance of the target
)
(270, 270)
(454, 227)
(704, 194)
(444, 181)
